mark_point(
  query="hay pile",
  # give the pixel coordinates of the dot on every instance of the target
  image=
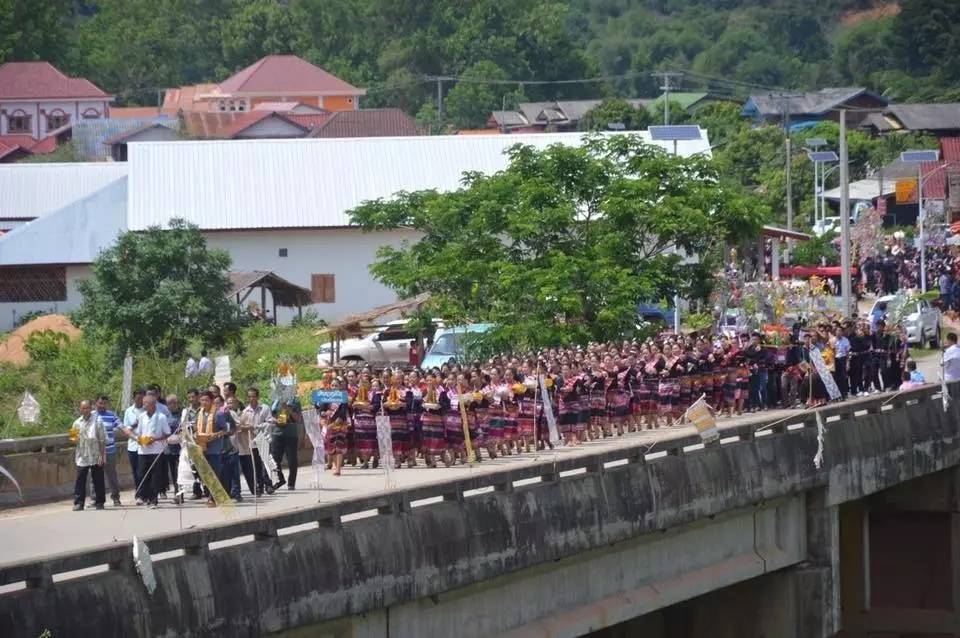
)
(13, 350)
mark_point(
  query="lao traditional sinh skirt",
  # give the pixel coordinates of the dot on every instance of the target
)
(335, 439)
(365, 432)
(495, 424)
(510, 427)
(432, 432)
(453, 429)
(527, 417)
(598, 406)
(669, 394)
(618, 406)
(400, 432)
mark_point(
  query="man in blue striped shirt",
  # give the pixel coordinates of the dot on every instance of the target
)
(110, 423)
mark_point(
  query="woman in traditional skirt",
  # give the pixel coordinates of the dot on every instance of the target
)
(685, 391)
(414, 400)
(452, 421)
(495, 423)
(335, 439)
(511, 430)
(669, 392)
(715, 361)
(480, 413)
(395, 407)
(434, 438)
(618, 400)
(596, 385)
(527, 417)
(743, 384)
(583, 418)
(365, 406)
(652, 369)
(568, 403)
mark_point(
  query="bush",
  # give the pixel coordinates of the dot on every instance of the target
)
(45, 345)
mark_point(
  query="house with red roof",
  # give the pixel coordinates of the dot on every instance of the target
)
(284, 79)
(37, 99)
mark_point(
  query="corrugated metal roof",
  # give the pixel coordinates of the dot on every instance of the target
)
(864, 189)
(34, 190)
(89, 135)
(74, 234)
(309, 183)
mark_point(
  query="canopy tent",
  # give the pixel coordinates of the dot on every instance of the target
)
(357, 324)
(283, 292)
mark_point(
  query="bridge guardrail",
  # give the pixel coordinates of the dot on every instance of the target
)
(39, 573)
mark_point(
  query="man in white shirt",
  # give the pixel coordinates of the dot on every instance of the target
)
(206, 365)
(253, 420)
(191, 368)
(131, 416)
(90, 456)
(152, 430)
(951, 359)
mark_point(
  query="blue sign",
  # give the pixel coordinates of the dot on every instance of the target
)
(329, 396)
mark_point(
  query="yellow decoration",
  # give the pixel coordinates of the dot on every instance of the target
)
(74, 434)
(208, 476)
(144, 439)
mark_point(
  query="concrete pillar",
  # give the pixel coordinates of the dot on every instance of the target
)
(817, 581)
(775, 259)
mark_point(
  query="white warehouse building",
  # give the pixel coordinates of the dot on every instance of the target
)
(273, 205)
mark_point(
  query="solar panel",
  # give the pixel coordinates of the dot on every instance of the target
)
(814, 142)
(824, 156)
(919, 156)
(683, 132)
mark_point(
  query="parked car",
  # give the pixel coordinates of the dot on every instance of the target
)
(921, 320)
(452, 343)
(650, 313)
(390, 344)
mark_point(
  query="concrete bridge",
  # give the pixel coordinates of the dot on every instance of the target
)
(653, 535)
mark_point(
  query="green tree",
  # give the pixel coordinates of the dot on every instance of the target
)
(159, 289)
(562, 244)
(615, 111)
(258, 28)
(469, 103)
(35, 30)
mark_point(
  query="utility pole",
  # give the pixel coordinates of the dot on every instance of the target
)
(788, 149)
(439, 103)
(665, 78)
(845, 287)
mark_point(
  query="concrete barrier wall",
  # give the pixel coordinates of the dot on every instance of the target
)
(320, 564)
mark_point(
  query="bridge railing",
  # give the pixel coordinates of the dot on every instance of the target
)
(39, 573)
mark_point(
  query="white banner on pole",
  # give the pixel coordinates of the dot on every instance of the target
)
(144, 564)
(548, 412)
(828, 381)
(29, 410)
(311, 423)
(126, 389)
(385, 445)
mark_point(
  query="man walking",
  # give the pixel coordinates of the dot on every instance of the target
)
(90, 456)
(951, 358)
(212, 426)
(131, 417)
(286, 439)
(110, 424)
(252, 420)
(153, 429)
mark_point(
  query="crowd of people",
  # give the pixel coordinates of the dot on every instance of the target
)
(460, 413)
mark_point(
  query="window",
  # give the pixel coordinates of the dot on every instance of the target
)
(283, 252)
(91, 114)
(323, 289)
(19, 122)
(33, 283)
(57, 119)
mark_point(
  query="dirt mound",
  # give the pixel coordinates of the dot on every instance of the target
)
(884, 10)
(12, 348)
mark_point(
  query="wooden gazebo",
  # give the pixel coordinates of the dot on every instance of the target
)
(283, 293)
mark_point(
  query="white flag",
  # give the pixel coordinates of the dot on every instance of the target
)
(126, 389)
(29, 410)
(548, 412)
(144, 564)
(221, 371)
(385, 444)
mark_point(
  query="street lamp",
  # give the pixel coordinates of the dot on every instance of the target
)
(814, 144)
(918, 158)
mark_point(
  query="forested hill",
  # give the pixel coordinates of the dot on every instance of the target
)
(908, 51)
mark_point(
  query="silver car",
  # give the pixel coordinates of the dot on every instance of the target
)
(921, 320)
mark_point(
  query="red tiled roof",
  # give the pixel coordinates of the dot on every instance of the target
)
(950, 149)
(280, 74)
(7, 149)
(309, 120)
(183, 99)
(389, 122)
(41, 80)
(44, 146)
(210, 125)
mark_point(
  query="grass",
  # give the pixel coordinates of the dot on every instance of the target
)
(84, 369)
